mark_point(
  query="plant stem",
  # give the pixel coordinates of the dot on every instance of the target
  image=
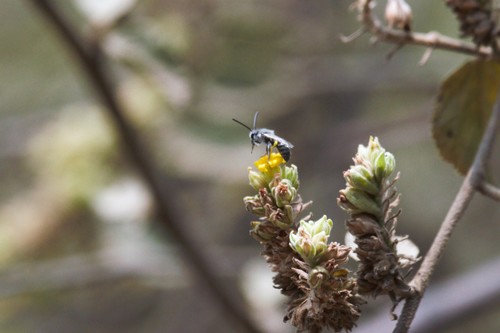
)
(469, 186)
(90, 60)
(432, 40)
(489, 190)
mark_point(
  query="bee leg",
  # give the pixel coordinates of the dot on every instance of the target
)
(275, 145)
(268, 150)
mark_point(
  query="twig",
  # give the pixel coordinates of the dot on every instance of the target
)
(90, 60)
(472, 180)
(433, 40)
(489, 190)
(442, 308)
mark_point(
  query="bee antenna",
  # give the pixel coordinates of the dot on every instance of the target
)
(239, 122)
(255, 119)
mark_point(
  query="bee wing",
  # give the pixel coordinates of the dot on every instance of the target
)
(279, 139)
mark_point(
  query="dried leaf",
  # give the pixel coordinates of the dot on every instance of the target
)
(464, 105)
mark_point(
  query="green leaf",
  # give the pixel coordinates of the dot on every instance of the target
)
(464, 105)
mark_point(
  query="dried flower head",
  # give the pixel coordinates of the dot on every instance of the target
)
(308, 268)
(329, 298)
(477, 20)
(370, 199)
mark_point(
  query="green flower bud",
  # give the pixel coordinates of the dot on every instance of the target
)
(369, 152)
(360, 177)
(343, 203)
(311, 239)
(361, 200)
(363, 153)
(284, 193)
(257, 179)
(324, 224)
(291, 173)
(374, 145)
(384, 164)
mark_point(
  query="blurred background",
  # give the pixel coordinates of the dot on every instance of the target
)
(79, 247)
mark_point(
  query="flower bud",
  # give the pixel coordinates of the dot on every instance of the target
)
(315, 227)
(368, 152)
(291, 173)
(284, 193)
(361, 201)
(343, 203)
(384, 164)
(360, 177)
(398, 14)
(310, 240)
(257, 179)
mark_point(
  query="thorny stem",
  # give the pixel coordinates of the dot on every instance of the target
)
(472, 182)
(90, 59)
(432, 40)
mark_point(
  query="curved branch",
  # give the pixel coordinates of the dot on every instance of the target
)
(433, 40)
(89, 59)
(489, 190)
(442, 308)
(455, 213)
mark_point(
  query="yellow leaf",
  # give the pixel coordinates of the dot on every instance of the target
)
(464, 105)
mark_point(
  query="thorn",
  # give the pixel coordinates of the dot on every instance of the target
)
(353, 36)
(394, 51)
(426, 56)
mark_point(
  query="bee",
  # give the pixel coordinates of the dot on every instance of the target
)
(267, 136)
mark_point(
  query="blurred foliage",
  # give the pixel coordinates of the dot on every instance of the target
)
(76, 154)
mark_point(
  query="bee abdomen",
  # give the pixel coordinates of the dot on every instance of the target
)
(284, 151)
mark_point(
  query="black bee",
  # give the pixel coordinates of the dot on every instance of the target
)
(267, 136)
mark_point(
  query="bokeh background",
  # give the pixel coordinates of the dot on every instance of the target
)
(79, 247)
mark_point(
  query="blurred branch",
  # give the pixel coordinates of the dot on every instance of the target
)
(78, 271)
(110, 264)
(443, 307)
(489, 190)
(432, 40)
(90, 59)
(470, 184)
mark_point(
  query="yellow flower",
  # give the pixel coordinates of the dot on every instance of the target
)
(269, 165)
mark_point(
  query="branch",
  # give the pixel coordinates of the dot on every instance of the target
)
(470, 184)
(489, 190)
(432, 40)
(444, 308)
(89, 59)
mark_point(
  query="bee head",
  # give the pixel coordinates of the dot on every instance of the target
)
(256, 137)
